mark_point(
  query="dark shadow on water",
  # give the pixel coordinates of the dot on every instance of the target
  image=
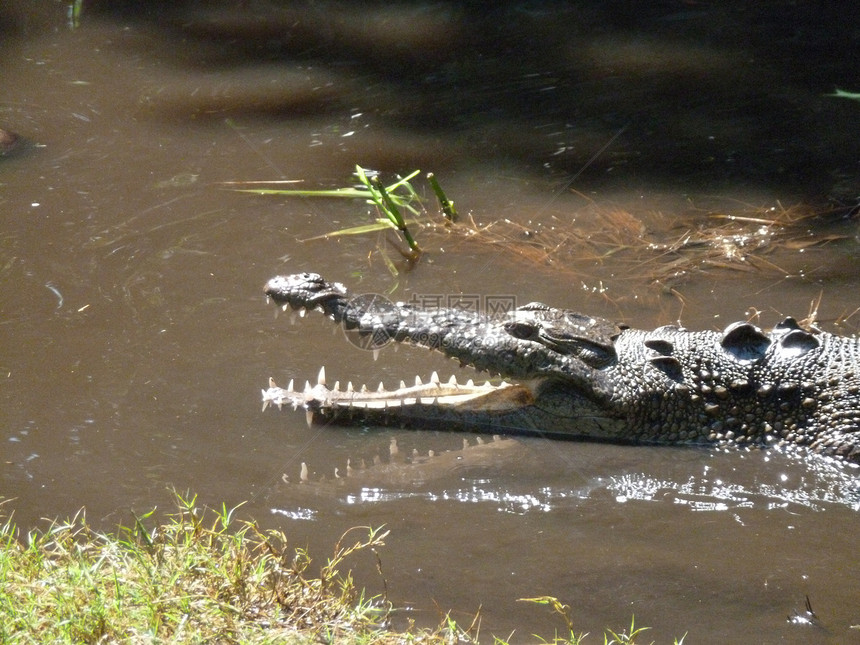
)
(707, 95)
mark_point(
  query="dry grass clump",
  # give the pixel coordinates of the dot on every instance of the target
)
(657, 247)
(663, 249)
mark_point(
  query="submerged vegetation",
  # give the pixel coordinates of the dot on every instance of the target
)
(203, 576)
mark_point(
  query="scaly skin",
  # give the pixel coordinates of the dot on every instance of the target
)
(584, 377)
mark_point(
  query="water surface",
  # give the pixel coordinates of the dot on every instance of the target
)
(136, 338)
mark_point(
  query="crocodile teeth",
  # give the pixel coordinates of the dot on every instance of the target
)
(381, 387)
(418, 381)
(272, 382)
(303, 476)
(309, 417)
(336, 387)
(375, 354)
(349, 387)
(434, 378)
(402, 385)
(308, 388)
(453, 381)
(265, 400)
(289, 387)
(303, 312)
(321, 376)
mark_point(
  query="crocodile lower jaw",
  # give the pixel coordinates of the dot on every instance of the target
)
(487, 397)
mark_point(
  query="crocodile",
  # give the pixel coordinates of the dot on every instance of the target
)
(570, 375)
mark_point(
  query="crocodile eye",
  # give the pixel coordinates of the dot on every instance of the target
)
(594, 355)
(522, 330)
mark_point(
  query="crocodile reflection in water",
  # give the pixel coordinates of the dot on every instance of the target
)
(413, 468)
(578, 376)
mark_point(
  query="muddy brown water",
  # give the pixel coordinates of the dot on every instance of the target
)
(135, 338)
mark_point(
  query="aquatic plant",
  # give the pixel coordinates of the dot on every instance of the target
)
(665, 249)
(842, 94)
(610, 637)
(74, 13)
(387, 200)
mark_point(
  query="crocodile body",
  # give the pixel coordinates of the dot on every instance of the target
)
(577, 376)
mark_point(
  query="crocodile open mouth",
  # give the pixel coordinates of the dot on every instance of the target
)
(462, 397)
(541, 363)
(308, 292)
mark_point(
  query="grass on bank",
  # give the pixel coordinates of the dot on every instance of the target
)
(202, 576)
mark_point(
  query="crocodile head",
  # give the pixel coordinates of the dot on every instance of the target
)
(545, 365)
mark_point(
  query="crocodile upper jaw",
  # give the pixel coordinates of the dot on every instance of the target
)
(486, 397)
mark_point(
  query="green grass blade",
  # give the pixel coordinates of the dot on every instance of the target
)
(405, 183)
(379, 224)
(394, 215)
(350, 193)
(445, 204)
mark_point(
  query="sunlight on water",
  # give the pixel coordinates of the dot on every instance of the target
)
(817, 487)
(825, 484)
(505, 501)
(296, 514)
